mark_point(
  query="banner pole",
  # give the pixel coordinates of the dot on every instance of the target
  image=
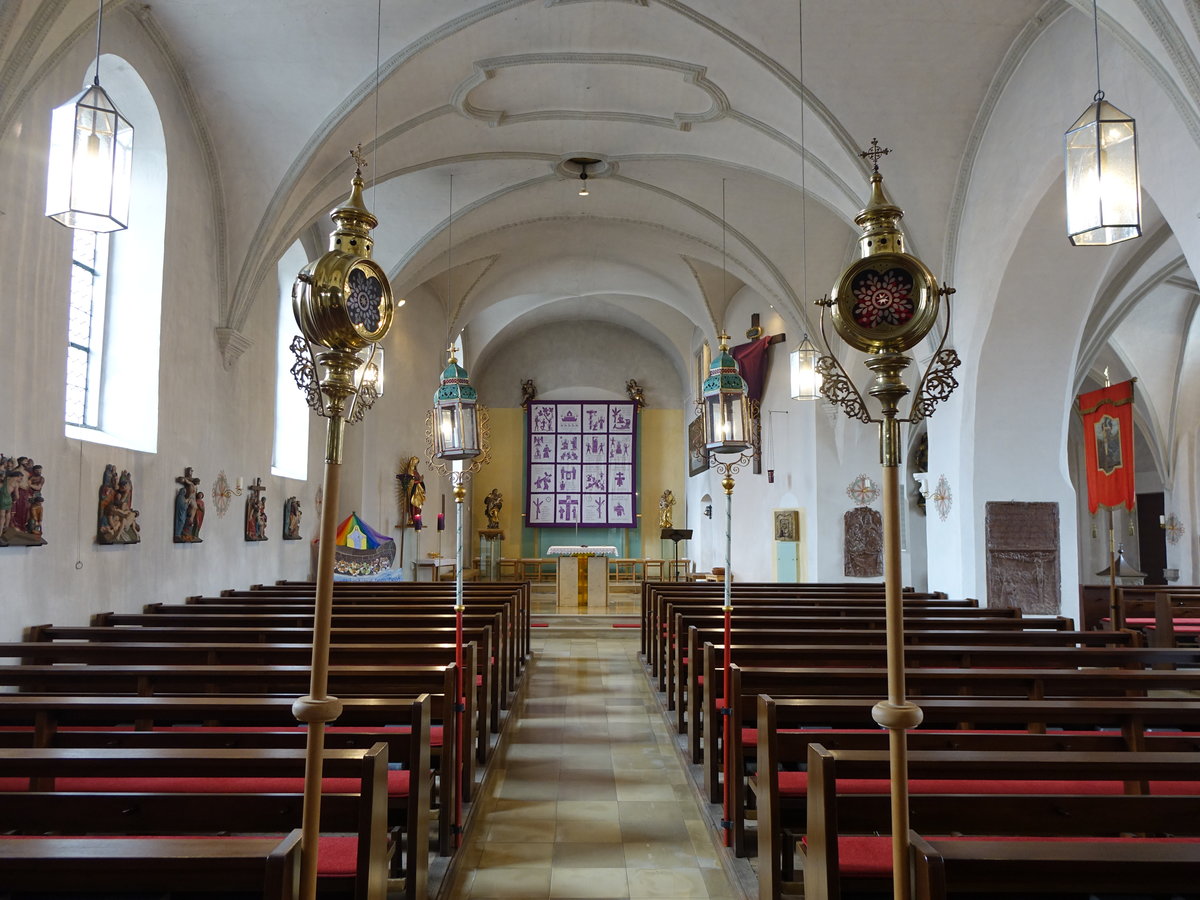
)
(1114, 611)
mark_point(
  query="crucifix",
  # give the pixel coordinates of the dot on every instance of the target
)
(753, 359)
(256, 513)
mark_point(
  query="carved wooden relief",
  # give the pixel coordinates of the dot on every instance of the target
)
(864, 543)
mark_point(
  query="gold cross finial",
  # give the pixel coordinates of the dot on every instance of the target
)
(360, 161)
(874, 153)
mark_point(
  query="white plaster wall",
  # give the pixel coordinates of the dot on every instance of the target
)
(210, 418)
(1024, 293)
(579, 354)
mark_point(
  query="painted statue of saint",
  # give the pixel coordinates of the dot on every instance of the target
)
(666, 503)
(492, 504)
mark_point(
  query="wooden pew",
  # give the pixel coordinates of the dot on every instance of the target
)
(366, 649)
(245, 865)
(150, 668)
(655, 619)
(984, 682)
(656, 593)
(1089, 653)
(157, 614)
(781, 617)
(516, 595)
(1094, 609)
(1077, 795)
(1051, 867)
(1168, 619)
(775, 647)
(49, 720)
(786, 728)
(109, 793)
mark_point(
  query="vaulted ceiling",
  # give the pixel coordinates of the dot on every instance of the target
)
(694, 111)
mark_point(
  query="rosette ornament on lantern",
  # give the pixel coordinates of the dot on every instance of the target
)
(726, 409)
(455, 414)
(343, 305)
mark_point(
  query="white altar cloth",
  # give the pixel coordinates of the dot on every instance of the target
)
(581, 550)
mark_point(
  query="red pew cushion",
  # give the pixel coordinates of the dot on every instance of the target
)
(398, 782)
(795, 784)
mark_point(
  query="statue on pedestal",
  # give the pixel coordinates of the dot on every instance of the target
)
(492, 504)
(665, 505)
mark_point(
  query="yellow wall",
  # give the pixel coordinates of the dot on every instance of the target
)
(662, 443)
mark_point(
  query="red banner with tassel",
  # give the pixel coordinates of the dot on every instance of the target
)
(1108, 445)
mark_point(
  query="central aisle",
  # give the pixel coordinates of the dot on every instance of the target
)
(590, 798)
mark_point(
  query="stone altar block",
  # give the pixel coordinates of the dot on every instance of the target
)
(582, 577)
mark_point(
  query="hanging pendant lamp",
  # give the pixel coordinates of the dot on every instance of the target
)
(91, 159)
(806, 382)
(1104, 197)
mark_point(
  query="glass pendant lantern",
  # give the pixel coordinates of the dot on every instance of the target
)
(455, 415)
(90, 167)
(1104, 198)
(806, 383)
(726, 408)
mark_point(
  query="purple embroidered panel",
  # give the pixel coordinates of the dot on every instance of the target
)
(582, 464)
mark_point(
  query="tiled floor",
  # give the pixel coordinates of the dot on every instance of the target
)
(590, 798)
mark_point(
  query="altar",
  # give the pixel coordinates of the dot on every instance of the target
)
(582, 575)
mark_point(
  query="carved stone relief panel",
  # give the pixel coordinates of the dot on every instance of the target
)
(1023, 557)
(864, 543)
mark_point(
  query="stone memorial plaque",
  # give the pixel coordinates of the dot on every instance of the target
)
(864, 543)
(1022, 557)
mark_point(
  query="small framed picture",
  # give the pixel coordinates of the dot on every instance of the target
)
(787, 525)
(697, 456)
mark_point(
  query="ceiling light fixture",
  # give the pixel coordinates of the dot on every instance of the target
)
(583, 179)
(1104, 198)
(91, 159)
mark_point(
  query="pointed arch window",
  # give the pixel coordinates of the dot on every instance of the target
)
(113, 332)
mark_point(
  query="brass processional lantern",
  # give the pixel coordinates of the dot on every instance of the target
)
(456, 415)
(884, 304)
(456, 432)
(343, 305)
(726, 411)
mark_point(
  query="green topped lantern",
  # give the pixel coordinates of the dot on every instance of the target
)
(455, 415)
(726, 409)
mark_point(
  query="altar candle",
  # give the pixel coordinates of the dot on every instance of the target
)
(441, 521)
(417, 522)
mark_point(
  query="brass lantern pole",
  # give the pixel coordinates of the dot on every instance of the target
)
(884, 304)
(343, 305)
